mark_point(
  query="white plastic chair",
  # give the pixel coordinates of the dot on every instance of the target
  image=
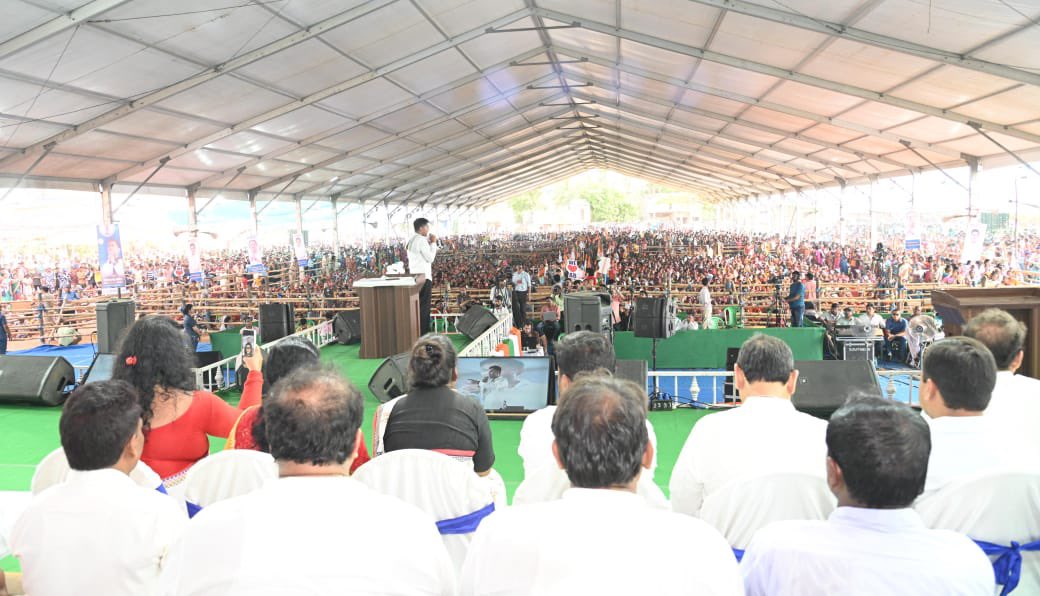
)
(998, 509)
(549, 484)
(439, 485)
(743, 506)
(228, 474)
(54, 468)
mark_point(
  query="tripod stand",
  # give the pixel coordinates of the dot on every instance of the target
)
(778, 320)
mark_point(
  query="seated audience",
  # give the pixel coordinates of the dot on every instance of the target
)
(873, 543)
(435, 416)
(589, 541)
(1016, 398)
(98, 532)
(314, 530)
(531, 339)
(282, 358)
(765, 435)
(577, 353)
(179, 419)
(957, 379)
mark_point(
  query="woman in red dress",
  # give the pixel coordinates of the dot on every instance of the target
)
(155, 359)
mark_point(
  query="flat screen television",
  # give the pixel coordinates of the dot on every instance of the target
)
(506, 386)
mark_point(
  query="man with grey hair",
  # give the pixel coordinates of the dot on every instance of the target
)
(1015, 403)
(315, 530)
(765, 435)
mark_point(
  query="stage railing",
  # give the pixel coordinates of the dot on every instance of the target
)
(485, 344)
(444, 322)
(221, 375)
(891, 379)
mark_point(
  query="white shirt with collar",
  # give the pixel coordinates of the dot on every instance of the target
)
(864, 552)
(310, 535)
(96, 533)
(544, 480)
(1015, 404)
(421, 255)
(765, 435)
(596, 541)
(965, 447)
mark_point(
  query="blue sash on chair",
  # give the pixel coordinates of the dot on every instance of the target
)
(1007, 568)
(464, 524)
(738, 553)
(192, 507)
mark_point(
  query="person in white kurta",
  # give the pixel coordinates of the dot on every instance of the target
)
(957, 379)
(315, 530)
(704, 299)
(873, 543)
(600, 537)
(580, 352)
(765, 435)
(1015, 404)
(98, 533)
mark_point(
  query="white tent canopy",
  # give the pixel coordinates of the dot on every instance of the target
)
(463, 103)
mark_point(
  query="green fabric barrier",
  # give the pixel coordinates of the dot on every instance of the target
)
(706, 348)
(228, 343)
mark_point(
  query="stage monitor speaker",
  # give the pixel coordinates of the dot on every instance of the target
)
(825, 385)
(653, 318)
(475, 321)
(276, 321)
(347, 327)
(209, 381)
(391, 378)
(100, 369)
(729, 388)
(40, 380)
(588, 311)
(114, 318)
(632, 370)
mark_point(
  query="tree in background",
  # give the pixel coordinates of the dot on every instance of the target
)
(610, 205)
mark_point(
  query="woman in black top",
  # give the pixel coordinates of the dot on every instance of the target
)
(433, 415)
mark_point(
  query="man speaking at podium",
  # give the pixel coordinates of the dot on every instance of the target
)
(422, 249)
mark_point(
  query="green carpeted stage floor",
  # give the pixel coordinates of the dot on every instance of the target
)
(29, 433)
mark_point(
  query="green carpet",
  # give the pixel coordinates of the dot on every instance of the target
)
(28, 433)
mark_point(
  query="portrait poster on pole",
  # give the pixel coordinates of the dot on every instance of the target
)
(110, 257)
(255, 256)
(974, 239)
(299, 249)
(194, 261)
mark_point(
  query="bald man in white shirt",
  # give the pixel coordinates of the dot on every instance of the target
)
(873, 543)
(98, 533)
(315, 530)
(596, 539)
(765, 435)
(1015, 404)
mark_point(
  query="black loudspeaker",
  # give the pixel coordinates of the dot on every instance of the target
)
(347, 327)
(588, 311)
(729, 388)
(391, 378)
(475, 321)
(209, 382)
(824, 385)
(276, 321)
(632, 370)
(100, 369)
(41, 380)
(113, 320)
(654, 318)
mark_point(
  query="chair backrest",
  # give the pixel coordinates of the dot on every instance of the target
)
(439, 485)
(54, 468)
(228, 474)
(743, 506)
(998, 508)
(379, 423)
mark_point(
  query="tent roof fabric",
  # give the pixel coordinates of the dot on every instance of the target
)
(468, 102)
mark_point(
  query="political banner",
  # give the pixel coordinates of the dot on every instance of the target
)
(575, 270)
(974, 240)
(256, 257)
(913, 233)
(300, 249)
(194, 261)
(110, 257)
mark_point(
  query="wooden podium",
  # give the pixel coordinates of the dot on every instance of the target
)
(389, 315)
(957, 306)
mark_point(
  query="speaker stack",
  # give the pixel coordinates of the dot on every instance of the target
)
(588, 311)
(276, 321)
(114, 318)
(347, 327)
(632, 370)
(40, 380)
(654, 318)
(391, 378)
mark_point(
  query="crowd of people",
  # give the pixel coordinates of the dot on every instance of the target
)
(798, 505)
